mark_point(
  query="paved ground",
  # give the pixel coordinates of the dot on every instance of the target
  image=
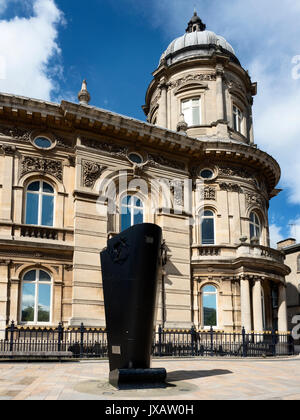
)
(189, 379)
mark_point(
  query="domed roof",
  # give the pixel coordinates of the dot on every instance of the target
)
(197, 42)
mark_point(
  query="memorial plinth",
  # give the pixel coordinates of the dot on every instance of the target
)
(130, 274)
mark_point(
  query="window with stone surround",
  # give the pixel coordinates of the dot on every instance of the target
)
(237, 119)
(207, 227)
(209, 306)
(191, 109)
(36, 297)
(40, 197)
(132, 212)
(255, 226)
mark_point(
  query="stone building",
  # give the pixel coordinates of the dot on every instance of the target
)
(292, 252)
(54, 221)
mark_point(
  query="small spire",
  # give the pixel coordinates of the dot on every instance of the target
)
(84, 96)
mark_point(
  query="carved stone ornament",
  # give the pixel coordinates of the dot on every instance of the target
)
(237, 172)
(111, 148)
(159, 160)
(44, 166)
(208, 193)
(254, 199)
(8, 149)
(24, 135)
(192, 78)
(16, 133)
(91, 171)
(177, 189)
(231, 187)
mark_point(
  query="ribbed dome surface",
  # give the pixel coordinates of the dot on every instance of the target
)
(182, 47)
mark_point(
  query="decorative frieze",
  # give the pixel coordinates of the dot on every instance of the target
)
(224, 186)
(24, 135)
(91, 171)
(236, 172)
(111, 148)
(159, 160)
(192, 78)
(44, 166)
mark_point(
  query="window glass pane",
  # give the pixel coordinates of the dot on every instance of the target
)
(126, 200)
(252, 231)
(44, 276)
(47, 210)
(32, 207)
(208, 234)
(125, 221)
(209, 289)
(28, 302)
(208, 213)
(34, 186)
(196, 116)
(138, 218)
(30, 276)
(44, 300)
(47, 188)
(43, 142)
(210, 310)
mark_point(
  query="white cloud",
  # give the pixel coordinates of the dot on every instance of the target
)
(265, 35)
(28, 45)
(275, 235)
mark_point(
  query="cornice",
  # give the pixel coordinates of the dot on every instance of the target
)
(92, 122)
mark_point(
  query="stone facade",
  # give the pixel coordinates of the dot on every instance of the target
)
(89, 147)
(292, 252)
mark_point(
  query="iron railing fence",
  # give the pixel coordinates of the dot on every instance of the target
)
(92, 343)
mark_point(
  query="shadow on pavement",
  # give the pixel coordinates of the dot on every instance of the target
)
(182, 375)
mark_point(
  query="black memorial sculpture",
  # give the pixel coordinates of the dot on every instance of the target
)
(130, 274)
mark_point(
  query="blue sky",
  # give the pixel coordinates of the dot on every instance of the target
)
(48, 47)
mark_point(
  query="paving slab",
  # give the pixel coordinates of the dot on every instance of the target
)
(188, 379)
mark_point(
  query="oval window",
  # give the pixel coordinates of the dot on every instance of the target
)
(135, 158)
(207, 174)
(43, 143)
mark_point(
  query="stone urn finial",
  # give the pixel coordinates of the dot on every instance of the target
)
(84, 96)
(182, 125)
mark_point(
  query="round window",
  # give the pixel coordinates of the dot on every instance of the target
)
(43, 143)
(135, 158)
(207, 174)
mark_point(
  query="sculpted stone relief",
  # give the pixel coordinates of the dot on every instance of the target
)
(25, 135)
(191, 78)
(91, 171)
(45, 166)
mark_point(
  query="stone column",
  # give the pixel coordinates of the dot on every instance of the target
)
(3, 297)
(245, 304)
(163, 114)
(282, 309)
(220, 95)
(257, 307)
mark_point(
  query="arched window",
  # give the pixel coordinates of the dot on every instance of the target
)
(36, 297)
(132, 212)
(209, 306)
(255, 226)
(207, 227)
(39, 204)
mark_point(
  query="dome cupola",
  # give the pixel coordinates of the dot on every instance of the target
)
(196, 42)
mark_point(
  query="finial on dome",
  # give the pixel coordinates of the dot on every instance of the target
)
(84, 96)
(195, 24)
